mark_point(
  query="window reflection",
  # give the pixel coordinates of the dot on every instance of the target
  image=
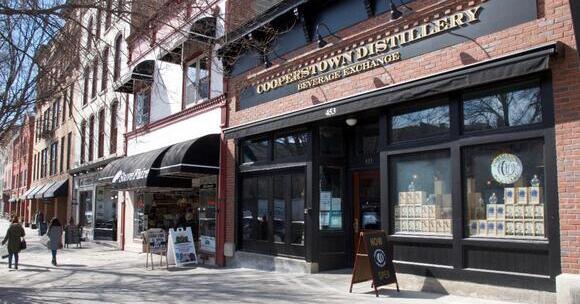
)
(420, 124)
(255, 150)
(507, 108)
(298, 194)
(291, 145)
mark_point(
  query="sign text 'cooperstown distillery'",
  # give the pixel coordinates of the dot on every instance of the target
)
(369, 56)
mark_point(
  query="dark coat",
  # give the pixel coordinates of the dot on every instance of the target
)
(55, 236)
(13, 236)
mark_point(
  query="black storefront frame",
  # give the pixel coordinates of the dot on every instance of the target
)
(459, 242)
(454, 142)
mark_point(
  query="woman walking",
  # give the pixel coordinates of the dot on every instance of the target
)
(13, 237)
(55, 236)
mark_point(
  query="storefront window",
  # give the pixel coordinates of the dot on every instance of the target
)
(297, 224)
(291, 145)
(330, 198)
(86, 209)
(279, 209)
(139, 218)
(255, 150)
(105, 214)
(207, 214)
(516, 106)
(504, 190)
(420, 124)
(249, 186)
(263, 215)
(421, 192)
(331, 142)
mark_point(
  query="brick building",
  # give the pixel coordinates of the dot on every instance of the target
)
(22, 168)
(452, 125)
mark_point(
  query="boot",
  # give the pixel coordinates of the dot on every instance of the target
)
(54, 262)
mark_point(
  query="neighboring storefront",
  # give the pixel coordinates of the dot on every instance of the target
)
(439, 127)
(168, 188)
(94, 204)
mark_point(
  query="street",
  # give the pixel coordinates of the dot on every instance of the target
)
(99, 274)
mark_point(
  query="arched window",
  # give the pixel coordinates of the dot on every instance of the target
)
(105, 69)
(109, 13)
(113, 133)
(89, 34)
(101, 144)
(91, 138)
(87, 76)
(95, 78)
(83, 140)
(117, 63)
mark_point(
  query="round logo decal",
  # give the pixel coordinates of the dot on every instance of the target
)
(380, 258)
(506, 168)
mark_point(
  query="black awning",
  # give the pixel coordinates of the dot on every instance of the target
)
(140, 171)
(192, 158)
(28, 192)
(523, 63)
(58, 189)
(40, 193)
(142, 71)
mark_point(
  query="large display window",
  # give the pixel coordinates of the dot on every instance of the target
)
(421, 193)
(504, 190)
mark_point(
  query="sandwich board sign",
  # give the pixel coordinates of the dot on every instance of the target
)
(181, 251)
(373, 262)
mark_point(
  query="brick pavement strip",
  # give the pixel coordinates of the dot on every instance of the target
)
(98, 274)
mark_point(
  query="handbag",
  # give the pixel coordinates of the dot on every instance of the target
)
(23, 244)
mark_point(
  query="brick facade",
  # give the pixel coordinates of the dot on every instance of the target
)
(553, 24)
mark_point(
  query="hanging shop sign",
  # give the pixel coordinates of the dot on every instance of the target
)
(506, 168)
(406, 42)
(373, 262)
(181, 248)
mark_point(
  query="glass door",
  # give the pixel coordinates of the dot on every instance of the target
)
(367, 202)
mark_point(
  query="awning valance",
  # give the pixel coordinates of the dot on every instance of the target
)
(28, 192)
(516, 65)
(142, 71)
(40, 193)
(139, 171)
(192, 158)
(58, 189)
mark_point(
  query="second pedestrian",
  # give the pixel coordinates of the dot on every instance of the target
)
(55, 238)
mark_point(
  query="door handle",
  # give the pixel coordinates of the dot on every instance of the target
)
(355, 225)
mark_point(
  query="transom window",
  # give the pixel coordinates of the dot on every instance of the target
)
(413, 124)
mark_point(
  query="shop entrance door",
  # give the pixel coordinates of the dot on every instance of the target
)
(367, 203)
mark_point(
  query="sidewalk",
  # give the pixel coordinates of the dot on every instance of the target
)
(99, 274)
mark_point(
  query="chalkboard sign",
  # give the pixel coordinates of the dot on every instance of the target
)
(373, 262)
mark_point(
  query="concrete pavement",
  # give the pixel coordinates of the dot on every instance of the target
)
(98, 274)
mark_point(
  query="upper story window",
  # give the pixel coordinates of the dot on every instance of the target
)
(99, 22)
(86, 84)
(95, 78)
(117, 63)
(141, 108)
(196, 81)
(101, 144)
(89, 43)
(291, 145)
(109, 13)
(504, 108)
(113, 135)
(83, 140)
(55, 114)
(105, 69)
(255, 150)
(91, 138)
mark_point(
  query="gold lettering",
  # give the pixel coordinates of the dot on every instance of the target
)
(457, 20)
(381, 45)
(362, 52)
(472, 13)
